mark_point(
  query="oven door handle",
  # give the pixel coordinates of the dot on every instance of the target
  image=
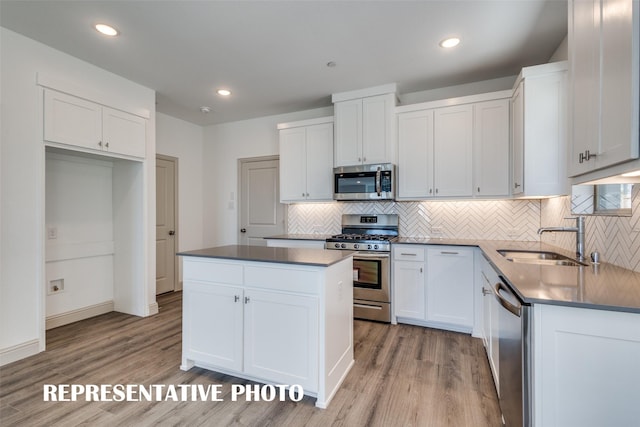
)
(372, 307)
(371, 255)
(378, 182)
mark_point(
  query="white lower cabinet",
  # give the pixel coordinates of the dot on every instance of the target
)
(408, 279)
(450, 285)
(274, 323)
(488, 277)
(257, 326)
(586, 367)
(211, 304)
(433, 286)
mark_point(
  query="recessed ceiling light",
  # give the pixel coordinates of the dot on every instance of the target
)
(107, 30)
(204, 109)
(223, 92)
(450, 42)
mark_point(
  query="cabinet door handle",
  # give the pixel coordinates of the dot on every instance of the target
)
(106, 144)
(478, 189)
(588, 155)
(405, 254)
(486, 291)
(246, 300)
(436, 191)
(100, 145)
(449, 253)
(516, 185)
(431, 191)
(420, 269)
(236, 298)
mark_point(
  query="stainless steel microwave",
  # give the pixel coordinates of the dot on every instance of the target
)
(364, 182)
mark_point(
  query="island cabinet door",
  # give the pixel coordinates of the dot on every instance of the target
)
(281, 338)
(212, 324)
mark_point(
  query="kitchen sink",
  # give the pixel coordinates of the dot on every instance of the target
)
(538, 257)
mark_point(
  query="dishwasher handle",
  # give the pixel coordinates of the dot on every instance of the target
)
(500, 286)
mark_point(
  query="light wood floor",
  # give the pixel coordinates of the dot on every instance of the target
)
(403, 376)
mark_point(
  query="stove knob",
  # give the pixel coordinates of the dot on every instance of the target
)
(369, 247)
(356, 246)
(343, 246)
(375, 247)
(337, 245)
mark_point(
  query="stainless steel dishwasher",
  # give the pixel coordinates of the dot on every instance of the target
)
(514, 321)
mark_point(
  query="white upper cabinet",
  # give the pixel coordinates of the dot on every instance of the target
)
(123, 133)
(415, 155)
(538, 125)
(306, 161)
(364, 128)
(604, 55)
(76, 122)
(435, 153)
(454, 151)
(491, 148)
(452, 144)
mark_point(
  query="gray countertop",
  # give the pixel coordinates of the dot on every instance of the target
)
(603, 286)
(300, 237)
(301, 256)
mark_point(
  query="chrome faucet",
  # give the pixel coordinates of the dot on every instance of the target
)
(578, 229)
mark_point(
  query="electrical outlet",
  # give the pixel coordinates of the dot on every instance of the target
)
(436, 231)
(55, 286)
(317, 229)
(512, 232)
(52, 233)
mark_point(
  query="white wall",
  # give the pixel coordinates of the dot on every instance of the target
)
(79, 210)
(224, 144)
(183, 140)
(23, 191)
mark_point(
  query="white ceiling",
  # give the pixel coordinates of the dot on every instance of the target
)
(273, 54)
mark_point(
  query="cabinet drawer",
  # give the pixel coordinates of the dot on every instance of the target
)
(408, 253)
(212, 271)
(282, 279)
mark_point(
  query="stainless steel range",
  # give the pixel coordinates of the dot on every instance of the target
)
(371, 236)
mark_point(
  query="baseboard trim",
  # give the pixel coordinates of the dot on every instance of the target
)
(20, 351)
(79, 314)
(153, 308)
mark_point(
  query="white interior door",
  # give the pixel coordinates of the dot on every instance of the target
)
(165, 224)
(261, 213)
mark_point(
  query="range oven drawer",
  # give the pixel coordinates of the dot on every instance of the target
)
(372, 310)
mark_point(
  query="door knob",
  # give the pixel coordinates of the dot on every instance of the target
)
(171, 232)
(243, 230)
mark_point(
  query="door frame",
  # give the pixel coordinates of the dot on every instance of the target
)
(176, 272)
(241, 162)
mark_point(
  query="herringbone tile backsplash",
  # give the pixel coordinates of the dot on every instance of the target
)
(616, 238)
(490, 220)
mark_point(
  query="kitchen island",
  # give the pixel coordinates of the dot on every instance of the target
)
(272, 315)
